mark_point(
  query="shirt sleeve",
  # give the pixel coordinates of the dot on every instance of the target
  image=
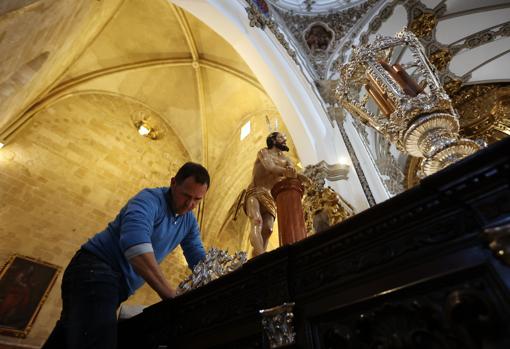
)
(137, 223)
(192, 246)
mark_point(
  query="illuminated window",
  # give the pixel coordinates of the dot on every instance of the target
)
(245, 130)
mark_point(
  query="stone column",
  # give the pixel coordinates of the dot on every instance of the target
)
(291, 222)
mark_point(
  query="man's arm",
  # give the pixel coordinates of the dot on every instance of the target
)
(192, 246)
(135, 240)
(147, 267)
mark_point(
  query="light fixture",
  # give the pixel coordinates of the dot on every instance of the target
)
(146, 130)
(245, 130)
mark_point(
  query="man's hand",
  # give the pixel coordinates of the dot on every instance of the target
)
(148, 268)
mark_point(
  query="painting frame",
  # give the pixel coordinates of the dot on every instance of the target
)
(25, 283)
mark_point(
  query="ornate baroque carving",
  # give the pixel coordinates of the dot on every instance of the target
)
(441, 58)
(238, 299)
(216, 264)
(357, 166)
(499, 241)
(278, 325)
(481, 37)
(338, 22)
(457, 317)
(415, 113)
(484, 117)
(482, 108)
(415, 239)
(423, 25)
(260, 16)
(392, 176)
(323, 207)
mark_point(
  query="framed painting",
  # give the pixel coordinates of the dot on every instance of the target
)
(24, 285)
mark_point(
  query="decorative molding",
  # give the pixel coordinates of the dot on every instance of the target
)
(357, 166)
(314, 7)
(481, 38)
(349, 265)
(362, 130)
(460, 315)
(338, 22)
(441, 58)
(322, 206)
(416, 230)
(391, 175)
(247, 296)
(322, 170)
(260, 16)
(423, 25)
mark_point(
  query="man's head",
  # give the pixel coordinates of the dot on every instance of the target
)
(277, 140)
(189, 187)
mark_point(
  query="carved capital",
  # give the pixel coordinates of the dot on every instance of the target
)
(278, 325)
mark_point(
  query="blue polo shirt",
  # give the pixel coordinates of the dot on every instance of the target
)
(147, 221)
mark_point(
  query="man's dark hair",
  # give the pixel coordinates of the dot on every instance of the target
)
(270, 140)
(192, 169)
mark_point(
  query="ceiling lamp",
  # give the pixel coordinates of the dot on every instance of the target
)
(146, 130)
(414, 111)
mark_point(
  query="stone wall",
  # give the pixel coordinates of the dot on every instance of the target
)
(65, 178)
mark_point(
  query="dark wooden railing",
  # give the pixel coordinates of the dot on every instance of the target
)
(421, 270)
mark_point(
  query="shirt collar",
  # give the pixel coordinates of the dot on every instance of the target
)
(168, 198)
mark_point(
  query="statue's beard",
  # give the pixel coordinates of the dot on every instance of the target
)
(282, 147)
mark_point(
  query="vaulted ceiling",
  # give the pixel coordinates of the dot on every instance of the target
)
(143, 60)
(76, 76)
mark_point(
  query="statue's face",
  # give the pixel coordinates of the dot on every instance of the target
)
(280, 142)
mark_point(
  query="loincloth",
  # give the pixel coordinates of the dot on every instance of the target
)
(264, 198)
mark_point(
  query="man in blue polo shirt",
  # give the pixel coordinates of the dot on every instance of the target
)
(113, 264)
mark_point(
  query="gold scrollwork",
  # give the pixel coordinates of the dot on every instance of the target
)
(423, 25)
(441, 58)
(323, 209)
(452, 86)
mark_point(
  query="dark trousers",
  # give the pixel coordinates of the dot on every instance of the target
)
(91, 293)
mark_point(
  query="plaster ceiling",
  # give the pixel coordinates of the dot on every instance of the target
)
(165, 65)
